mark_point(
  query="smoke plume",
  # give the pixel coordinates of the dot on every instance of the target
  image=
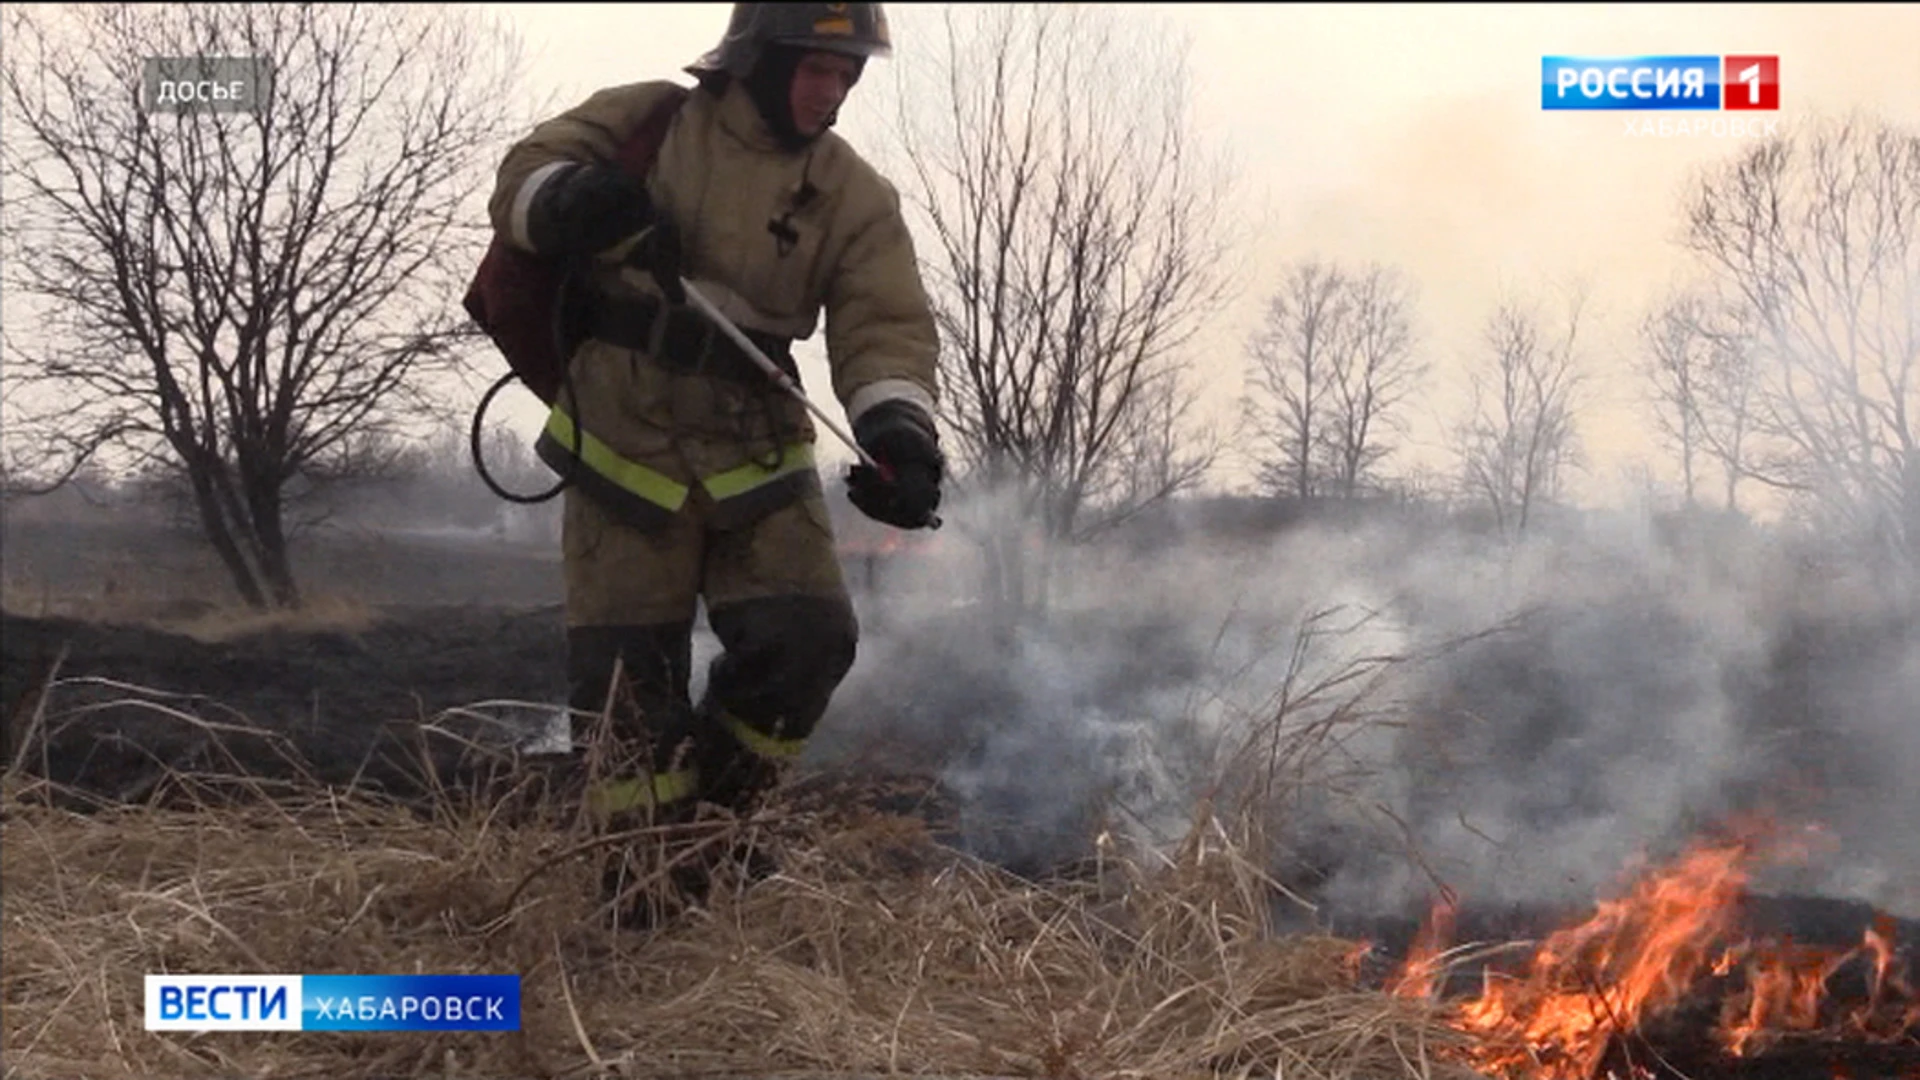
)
(1518, 719)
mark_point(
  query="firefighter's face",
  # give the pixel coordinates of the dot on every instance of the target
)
(820, 85)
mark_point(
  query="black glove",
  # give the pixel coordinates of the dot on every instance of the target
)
(905, 490)
(587, 209)
(658, 252)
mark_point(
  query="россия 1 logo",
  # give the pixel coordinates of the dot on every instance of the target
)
(1660, 82)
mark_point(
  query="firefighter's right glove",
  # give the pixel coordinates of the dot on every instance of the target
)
(904, 491)
(586, 209)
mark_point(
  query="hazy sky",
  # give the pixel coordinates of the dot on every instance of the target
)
(1408, 135)
(1412, 135)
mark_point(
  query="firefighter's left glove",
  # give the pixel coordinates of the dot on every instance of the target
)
(585, 209)
(658, 252)
(904, 491)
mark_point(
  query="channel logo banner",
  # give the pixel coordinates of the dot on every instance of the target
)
(1695, 83)
(333, 1002)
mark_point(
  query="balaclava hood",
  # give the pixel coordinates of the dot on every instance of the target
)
(771, 87)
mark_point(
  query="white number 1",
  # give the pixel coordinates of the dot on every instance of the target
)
(1751, 76)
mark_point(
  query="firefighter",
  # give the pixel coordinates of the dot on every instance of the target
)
(694, 477)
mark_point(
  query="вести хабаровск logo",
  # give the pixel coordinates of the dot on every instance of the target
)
(333, 1002)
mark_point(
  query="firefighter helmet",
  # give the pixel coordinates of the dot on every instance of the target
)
(857, 30)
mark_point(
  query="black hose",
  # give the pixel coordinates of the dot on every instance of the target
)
(562, 349)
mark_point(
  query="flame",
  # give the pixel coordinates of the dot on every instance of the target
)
(1644, 953)
(1418, 974)
(1355, 959)
(1785, 985)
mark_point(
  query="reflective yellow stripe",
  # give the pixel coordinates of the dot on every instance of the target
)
(761, 743)
(739, 481)
(637, 793)
(601, 458)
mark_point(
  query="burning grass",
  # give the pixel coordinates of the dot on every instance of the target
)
(1673, 941)
(874, 949)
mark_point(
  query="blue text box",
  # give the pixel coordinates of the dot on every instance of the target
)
(1630, 82)
(410, 1003)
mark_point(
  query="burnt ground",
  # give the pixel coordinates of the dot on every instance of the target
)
(345, 705)
(411, 628)
(1679, 1042)
(151, 651)
(1806, 920)
(424, 663)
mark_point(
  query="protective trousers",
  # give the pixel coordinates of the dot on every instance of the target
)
(777, 602)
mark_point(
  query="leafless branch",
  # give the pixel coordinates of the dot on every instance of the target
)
(247, 295)
(1520, 439)
(1701, 375)
(1330, 364)
(1075, 252)
(1812, 244)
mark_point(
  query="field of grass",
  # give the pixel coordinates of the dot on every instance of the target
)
(875, 950)
(193, 788)
(143, 572)
(1143, 836)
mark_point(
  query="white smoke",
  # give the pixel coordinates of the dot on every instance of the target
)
(1527, 718)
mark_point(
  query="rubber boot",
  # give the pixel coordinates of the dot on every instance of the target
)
(641, 770)
(781, 659)
(737, 783)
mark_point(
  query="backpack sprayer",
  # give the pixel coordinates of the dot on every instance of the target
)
(558, 344)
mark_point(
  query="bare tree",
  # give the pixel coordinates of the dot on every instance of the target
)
(1520, 440)
(1332, 361)
(1673, 366)
(1170, 454)
(1814, 241)
(249, 297)
(1074, 253)
(1372, 376)
(1701, 374)
(1294, 354)
(430, 481)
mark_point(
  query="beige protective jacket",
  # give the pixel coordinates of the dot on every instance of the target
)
(723, 179)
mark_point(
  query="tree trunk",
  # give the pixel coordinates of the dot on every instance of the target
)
(213, 523)
(276, 570)
(1686, 452)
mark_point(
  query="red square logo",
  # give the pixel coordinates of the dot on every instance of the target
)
(1750, 82)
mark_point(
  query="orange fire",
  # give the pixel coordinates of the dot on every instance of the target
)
(1418, 976)
(1644, 953)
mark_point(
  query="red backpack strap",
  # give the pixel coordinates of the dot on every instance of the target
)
(515, 296)
(637, 153)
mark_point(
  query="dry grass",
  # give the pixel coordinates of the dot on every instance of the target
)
(203, 620)
(874, 950)
(325, 613)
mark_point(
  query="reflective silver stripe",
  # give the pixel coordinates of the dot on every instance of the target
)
(887, 390)
(523, 199)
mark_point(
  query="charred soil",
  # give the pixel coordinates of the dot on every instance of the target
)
(104, 709)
